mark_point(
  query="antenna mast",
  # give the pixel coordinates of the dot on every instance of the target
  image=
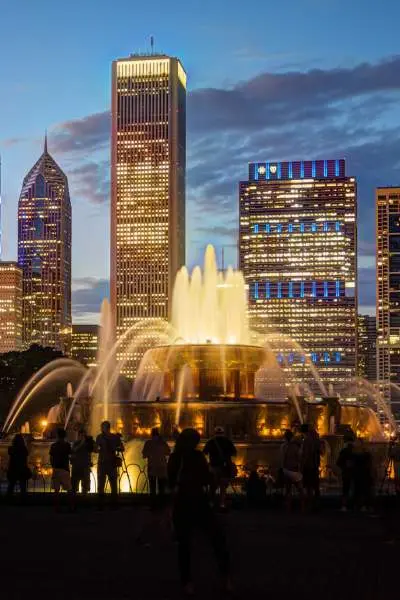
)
(1, 247)
(152, 44)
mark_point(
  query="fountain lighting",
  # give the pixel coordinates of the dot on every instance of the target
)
(210, 306)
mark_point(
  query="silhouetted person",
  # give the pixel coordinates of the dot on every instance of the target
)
(290, 464)
(60, 452)
(346, 463)
(108, 446)
(189, 476)
(18, 470)
(156, 451)
(363, 476)
(221, 450)
(81, 461)
(256, 489)
(310, 462)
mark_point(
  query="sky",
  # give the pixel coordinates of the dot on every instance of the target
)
(300, 79)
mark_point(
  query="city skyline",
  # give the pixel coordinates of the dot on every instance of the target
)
(346, 108)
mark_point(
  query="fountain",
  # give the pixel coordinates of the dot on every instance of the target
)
(205, 368)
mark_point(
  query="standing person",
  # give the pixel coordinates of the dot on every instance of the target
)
(310, 463)
(363, 476)
(60, 452)
(18, 470)
(221, 450)
(290, 465)
(156, 451)
(108, 446)
(189, 476)
(345, 462)
(81, 461)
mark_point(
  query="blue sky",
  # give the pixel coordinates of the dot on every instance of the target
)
(267, 80)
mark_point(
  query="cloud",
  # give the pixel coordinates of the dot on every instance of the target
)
(90, 180)
(366, 285)
(88, 134)
(87, 295)
(349, 112)
(273, 99)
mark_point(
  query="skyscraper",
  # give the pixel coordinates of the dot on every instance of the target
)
(148, 155)
(297, 250)
(366, 347)
(10, 307)
(85, 340)
(44, 255)
(388, 293)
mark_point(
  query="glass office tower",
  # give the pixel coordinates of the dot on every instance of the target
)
(297, 250)
(148, 155)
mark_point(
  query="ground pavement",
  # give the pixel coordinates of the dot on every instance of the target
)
(93, 555)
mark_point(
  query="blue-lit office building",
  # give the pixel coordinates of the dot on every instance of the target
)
(297, 249)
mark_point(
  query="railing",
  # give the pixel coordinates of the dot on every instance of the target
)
(132, 478)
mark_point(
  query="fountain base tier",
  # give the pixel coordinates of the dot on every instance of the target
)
(210, 370)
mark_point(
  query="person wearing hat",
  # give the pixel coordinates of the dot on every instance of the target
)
(221, 451)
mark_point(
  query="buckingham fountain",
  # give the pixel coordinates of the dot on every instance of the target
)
(204, 368)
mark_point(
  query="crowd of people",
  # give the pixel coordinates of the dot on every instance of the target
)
(192, 481)
(189, 484)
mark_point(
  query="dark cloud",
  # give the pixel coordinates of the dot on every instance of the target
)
(366, 286)
(88, 294)
(273, 99)
(366, 248)
(219, 231)
(88, 134)
(350, 112)
(91, 181)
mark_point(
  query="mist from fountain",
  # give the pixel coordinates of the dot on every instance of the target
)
(60, 366)
(359, 385)
(208, 307)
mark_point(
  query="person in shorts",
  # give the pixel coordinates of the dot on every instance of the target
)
(60, 452)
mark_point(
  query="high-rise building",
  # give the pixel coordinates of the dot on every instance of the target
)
(366, 347)
(297, 250)
(388, 293)
(148, 155)
(44, 255)
(10, 307)
(85, 339)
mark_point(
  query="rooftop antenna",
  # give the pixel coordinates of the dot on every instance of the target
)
(152, 44)
(223, 258)
(1, 247)
(45, 141)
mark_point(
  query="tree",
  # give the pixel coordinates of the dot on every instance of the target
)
(15, 370)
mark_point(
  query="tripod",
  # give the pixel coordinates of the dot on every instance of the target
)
(125, 470)
(389, 467)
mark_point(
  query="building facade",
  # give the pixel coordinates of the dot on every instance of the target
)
(148, 156)
(366, 348)
(10, 307)
(297, 250)
(387, 203)
(85, 340)
(44, 255)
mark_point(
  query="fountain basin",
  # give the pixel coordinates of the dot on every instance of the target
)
(212, 370)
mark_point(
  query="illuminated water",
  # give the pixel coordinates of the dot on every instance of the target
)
(209, 309)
